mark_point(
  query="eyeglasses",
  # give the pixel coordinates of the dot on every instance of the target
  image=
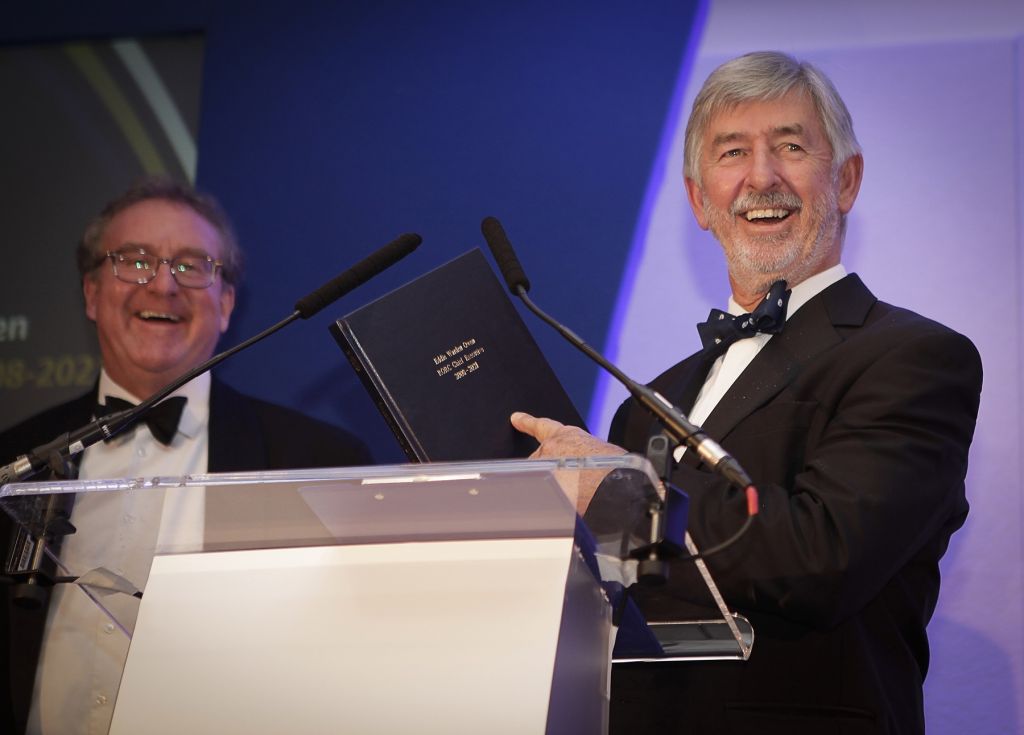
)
(190, 269)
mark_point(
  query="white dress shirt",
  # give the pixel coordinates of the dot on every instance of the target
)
(84, 647)
(727, 368)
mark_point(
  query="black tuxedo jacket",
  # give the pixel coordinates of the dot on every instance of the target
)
(854, 424)
(245, 434)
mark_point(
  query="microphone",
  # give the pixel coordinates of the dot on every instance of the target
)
(675, 421)
(504, 255)
(60, 450)
(358, 274)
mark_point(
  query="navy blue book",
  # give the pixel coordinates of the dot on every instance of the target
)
(447, 359)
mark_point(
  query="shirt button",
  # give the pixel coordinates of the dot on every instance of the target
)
(141, 452)
(101, 699)
(108, 628)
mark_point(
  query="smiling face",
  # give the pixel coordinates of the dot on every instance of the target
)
(769, 193)
(150, 334)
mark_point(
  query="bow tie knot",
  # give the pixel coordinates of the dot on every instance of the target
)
(721, 330)
(162, 419)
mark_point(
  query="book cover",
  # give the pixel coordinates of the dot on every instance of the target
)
(447, 359)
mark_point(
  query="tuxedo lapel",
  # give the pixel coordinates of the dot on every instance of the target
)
(81, 410)
(235, 440)
(808, 333)
(683, 384)
(679, 384)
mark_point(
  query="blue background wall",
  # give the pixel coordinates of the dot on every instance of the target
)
(328, 128)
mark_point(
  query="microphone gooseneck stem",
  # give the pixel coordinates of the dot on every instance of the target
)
(212, 362)
(674, 421)
(74, 443)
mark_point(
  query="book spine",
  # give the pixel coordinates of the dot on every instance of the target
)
(374, 386)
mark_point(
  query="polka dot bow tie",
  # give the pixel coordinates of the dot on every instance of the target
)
(721, 329)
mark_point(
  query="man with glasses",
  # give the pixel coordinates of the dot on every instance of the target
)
(160, 266)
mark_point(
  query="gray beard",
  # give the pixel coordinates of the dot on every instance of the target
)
(758, 261)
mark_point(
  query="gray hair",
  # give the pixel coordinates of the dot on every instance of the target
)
(763, 76)
(165, 188)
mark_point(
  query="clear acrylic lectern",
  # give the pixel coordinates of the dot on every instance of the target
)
(435, 598)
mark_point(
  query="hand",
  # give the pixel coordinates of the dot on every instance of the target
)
(558, 440)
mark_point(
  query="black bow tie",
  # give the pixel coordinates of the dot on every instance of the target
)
(721, 329)
(162, 419)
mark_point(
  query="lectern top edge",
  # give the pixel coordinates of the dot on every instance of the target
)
(380, 474)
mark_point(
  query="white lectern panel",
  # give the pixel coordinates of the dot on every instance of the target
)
(361, 639)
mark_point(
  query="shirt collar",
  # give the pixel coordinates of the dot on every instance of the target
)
(197, 411)
(803, 292)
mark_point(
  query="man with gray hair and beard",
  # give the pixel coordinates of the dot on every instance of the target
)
(853, 418)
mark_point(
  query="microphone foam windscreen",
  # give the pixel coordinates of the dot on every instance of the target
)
(504, 255)
(358, 274)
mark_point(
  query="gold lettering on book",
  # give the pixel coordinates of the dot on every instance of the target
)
(459, 360)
